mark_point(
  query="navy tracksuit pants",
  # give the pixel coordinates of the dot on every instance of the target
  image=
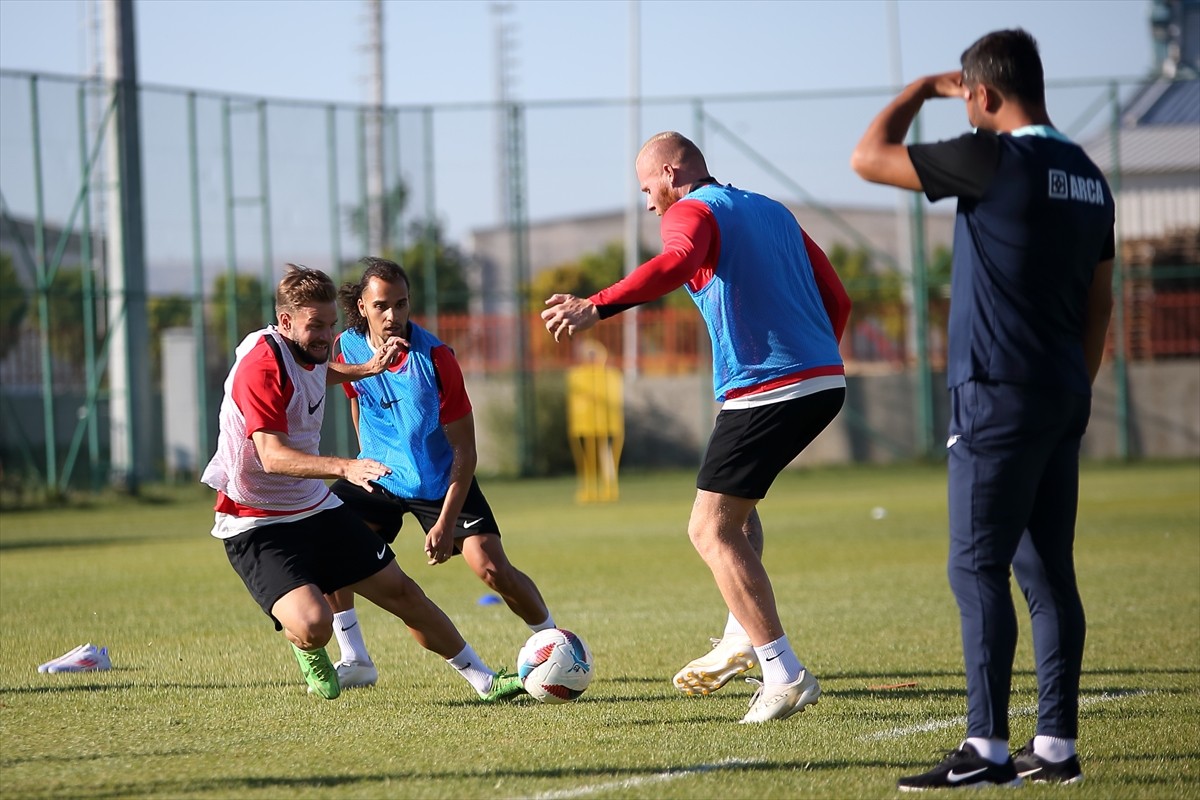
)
(1013, 492)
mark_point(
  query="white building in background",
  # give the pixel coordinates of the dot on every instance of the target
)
(1154, 164)
(1157, 159)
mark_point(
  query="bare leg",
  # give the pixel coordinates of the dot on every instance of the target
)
(488, 561)
(727, 533)
(393, 591)
(305, 616)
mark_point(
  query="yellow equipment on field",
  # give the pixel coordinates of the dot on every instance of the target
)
(595, 424)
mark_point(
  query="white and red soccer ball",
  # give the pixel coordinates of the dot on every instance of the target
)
(555, 666)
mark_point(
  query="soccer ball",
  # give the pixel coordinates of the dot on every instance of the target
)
(555, 666)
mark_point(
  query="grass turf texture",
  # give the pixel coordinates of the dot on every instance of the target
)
(205, 700)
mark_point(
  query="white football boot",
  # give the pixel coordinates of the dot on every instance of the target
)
(85, 658)
(780, 702)
(729, 658)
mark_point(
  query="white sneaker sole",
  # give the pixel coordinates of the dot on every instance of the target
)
(702, 677)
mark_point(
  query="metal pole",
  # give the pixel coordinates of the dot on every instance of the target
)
(1120, 337)
(364, 197)
(633, 217)
(89, 289)
(396, 232)
(129, 373)
(920, 305)
(429, 251)
(341, 426)
(375, 209)
(264, 181)
(197, 287)
(518, 231)
(703, 343)
(43, 292)
(231, 299)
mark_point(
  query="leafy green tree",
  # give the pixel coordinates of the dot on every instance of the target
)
(65, 301)
(14, 304)
(248, 290)
(394, 202)
(591, 273)
(450, 267)
(449, 264)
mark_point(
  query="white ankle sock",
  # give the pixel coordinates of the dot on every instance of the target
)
(349, 637)
(779, 663)
(472, 667)
(993, 750)
(545, 625)
(734, 629)
(1053, 748)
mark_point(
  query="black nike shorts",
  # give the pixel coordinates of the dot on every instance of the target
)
(385, 511)
(332, 550)
(749, 447)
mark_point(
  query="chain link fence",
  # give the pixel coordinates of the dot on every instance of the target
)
(477, 202)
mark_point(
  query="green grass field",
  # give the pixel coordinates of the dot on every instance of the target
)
(205, 700)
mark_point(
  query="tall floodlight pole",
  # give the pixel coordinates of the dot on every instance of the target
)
(503, 78)
(633, 215)
(376, 211)
(129, 373)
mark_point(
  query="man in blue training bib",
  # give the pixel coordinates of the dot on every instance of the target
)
(1031, 294)
(416, 418)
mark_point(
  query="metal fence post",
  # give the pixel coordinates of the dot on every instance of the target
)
(43, 290)
(1120, 340)
(197, 286)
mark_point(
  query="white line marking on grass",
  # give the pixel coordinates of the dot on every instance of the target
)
(1023, 711)
(630, 783)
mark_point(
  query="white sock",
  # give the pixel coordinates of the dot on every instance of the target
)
(779, 663)
(1053, 748)
(544, 625)
(349, 637)
(472, 667)
(993, 750)
(734, 629)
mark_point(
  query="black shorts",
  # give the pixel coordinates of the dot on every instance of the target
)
(332, 549)
(749, 447)
(385, 511)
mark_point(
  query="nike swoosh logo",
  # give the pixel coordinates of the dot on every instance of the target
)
(772, 658)
(312, 409)
(352, 627)
(959, 777)
(953, 440)
(388, 403)
(472, 523)
(382, 552)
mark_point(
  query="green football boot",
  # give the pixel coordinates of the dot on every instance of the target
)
(319, 672)
(505, 686)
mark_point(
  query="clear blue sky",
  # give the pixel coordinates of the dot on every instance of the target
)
(443, 52)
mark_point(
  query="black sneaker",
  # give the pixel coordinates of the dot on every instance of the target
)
(1032, 766)
(963, 767)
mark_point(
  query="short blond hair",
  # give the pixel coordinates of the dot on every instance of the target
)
(302, 286)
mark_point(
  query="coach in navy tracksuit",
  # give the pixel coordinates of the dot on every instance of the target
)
(1031, 294)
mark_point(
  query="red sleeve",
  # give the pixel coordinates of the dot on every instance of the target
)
(259, 392)
(833, 294)
(690, 242)
(348, 386)
(453, 402)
